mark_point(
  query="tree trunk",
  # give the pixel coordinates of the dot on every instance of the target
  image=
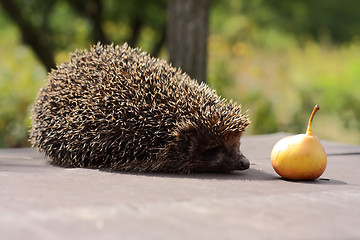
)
(187, 33)
(39, 41)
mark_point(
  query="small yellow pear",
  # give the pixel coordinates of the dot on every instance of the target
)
(299, 157)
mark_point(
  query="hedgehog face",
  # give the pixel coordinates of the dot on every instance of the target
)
(224, 156)
(208, 151)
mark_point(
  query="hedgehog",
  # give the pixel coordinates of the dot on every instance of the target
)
(116, 108)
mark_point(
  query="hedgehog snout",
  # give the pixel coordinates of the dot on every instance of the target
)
(224, 161)
(244, 163)
(235, 162)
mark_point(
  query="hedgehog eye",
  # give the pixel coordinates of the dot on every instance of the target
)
(212, 151)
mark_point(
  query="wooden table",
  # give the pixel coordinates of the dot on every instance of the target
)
(41, 201)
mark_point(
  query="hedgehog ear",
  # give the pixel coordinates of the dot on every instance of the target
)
(185, 132)
(235, 134)
(234, 137)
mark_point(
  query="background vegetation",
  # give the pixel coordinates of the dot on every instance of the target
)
(277, 58)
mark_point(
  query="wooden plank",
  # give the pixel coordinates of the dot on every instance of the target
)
(40, 201)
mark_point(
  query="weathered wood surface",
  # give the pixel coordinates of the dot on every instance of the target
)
(40, 201)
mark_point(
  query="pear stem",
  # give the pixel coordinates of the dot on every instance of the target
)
(309, 130)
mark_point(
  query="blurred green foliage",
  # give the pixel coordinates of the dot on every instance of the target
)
(277, 58)
(281, 58)
(70, 22)
(21, 75)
